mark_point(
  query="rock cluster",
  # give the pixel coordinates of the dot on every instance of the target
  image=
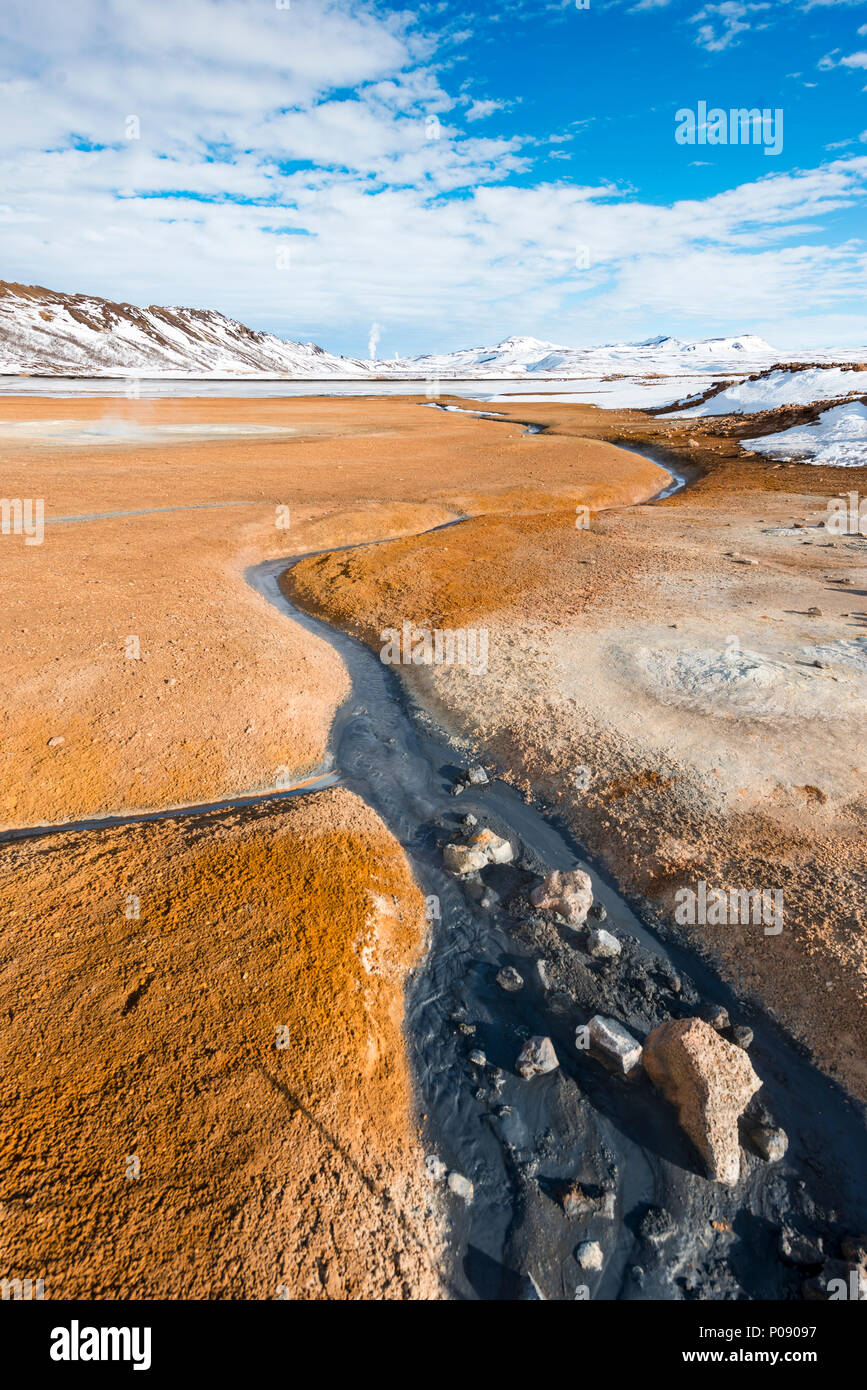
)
(481, 849)
(473, 777)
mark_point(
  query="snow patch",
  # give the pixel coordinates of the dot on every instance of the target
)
(838, 439)
(780, 388)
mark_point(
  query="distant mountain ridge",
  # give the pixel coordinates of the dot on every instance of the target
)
(46, 332)
(530, 357)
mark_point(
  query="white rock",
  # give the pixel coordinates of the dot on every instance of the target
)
(495, 849)
(602, 944)
(610, 1040)
(464, 859)
(435, 1168)
(461, 1187)
(589, 1254)
(536, 1057)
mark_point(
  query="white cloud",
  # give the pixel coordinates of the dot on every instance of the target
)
(328, 130)
(479, 110)
(724, 23)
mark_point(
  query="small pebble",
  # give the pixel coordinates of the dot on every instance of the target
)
(509, 979)
(770, 1144)
(461, 1187)
(435, 1168)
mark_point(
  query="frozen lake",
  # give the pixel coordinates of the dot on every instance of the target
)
(157, 388)
(614, 393)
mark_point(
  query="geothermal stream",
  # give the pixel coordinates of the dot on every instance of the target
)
(664, 1229)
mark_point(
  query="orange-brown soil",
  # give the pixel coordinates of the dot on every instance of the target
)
(221, 694)
(237, 1045)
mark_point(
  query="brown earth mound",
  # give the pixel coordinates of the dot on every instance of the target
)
(210, 1099)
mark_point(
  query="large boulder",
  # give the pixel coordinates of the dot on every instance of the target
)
(710, 1081)
(568, 892)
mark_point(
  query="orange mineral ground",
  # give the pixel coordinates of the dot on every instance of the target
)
(134, 637)
(644, 679)
(208, 1097)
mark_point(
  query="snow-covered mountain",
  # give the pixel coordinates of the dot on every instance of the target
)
(44, 332)
(530, 357)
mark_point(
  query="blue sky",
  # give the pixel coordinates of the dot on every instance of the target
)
(451, 174)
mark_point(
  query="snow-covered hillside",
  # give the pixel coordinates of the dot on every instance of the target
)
(80, 335)
(785, 387)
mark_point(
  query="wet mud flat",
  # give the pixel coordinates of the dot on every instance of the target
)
(665, 1231)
